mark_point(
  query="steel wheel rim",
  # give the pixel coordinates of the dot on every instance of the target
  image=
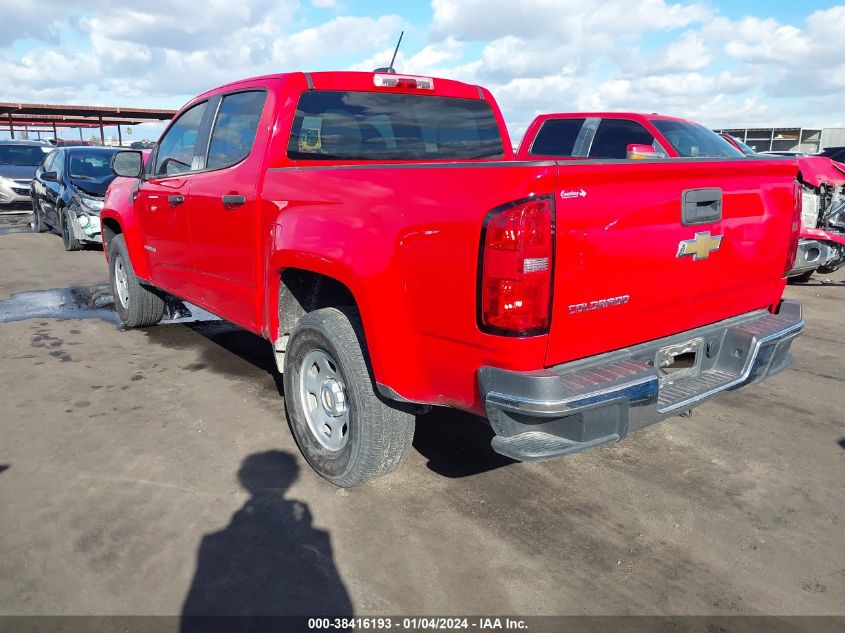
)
(324, 400)
(121, 282)
(34, 224)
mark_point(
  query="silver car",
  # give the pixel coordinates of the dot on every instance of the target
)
(18, 161)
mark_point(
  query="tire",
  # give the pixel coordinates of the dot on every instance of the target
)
(802, 278)
(370, 438)
(37, 225)
(68, 238)
(137, 305)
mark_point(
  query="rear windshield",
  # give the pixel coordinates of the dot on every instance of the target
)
(332, 125)
(694, 141)
(21, 155)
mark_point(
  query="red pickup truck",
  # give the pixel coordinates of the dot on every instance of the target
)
(376, 229)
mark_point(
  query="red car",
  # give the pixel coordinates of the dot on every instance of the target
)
(628, 135)
(376, 230)
(822, 244)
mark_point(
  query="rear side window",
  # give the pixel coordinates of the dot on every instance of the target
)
(234, 131)
(556, 137)
(332, 125)
(614, 135)
(691, 140)
(176, 150)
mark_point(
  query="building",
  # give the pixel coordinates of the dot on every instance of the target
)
(788, 139)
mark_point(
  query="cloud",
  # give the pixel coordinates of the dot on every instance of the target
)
(674, 56)
(570, 20)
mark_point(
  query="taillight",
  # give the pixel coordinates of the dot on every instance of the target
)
(515, 268)
(795, 227)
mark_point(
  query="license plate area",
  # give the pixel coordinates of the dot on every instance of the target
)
(680, 361)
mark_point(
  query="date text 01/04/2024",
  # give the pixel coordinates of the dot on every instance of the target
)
(417, 623)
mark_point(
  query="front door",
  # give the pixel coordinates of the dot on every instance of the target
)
(164, 203)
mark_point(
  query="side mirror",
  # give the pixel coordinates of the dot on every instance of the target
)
(128, 163)
(49, 176)
(640, 152)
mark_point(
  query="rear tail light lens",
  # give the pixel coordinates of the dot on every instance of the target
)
(795, 227)
(515, 268)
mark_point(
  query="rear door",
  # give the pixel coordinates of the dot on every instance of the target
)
(630, 267)
(223, 213)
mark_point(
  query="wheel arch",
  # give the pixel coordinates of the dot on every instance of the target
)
(114, 225)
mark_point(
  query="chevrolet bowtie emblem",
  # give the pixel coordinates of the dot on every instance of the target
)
(700, 246)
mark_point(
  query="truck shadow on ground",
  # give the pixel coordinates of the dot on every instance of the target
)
(4, 467)
(269, 560)
(455, 444)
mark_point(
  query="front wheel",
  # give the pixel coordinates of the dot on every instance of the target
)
(68, 237)
(37, 223)
(137, 306)
(345, 431)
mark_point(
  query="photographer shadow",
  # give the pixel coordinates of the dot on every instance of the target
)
(269, 560)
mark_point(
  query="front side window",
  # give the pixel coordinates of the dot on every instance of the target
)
(59, 164)
(556, 137)
(334, 125)
(691, 140)
(613, 137)
(234, 131)
(176, 150)
(21, 155)
(47, 165)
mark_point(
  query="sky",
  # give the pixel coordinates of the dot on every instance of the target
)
(720, 62)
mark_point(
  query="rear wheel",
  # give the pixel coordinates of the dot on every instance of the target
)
(137, 305)
(345, 431)
(68, 237)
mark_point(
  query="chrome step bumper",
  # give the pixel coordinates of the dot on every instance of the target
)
(586, 403)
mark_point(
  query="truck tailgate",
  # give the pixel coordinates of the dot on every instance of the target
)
(628, 269)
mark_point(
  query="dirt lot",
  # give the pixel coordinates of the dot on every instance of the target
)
(152, 472)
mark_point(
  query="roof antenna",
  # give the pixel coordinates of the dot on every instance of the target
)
(389, 69)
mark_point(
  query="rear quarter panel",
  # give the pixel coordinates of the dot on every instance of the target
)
(405, 239)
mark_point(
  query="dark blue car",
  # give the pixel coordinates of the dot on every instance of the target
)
(67, 193)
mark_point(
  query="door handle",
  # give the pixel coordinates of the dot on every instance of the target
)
(175, 201)
(701, 206)
(232, 201)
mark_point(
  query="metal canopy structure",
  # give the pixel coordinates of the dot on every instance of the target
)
(42, 117)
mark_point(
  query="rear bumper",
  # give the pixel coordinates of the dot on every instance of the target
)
(811, 254)
(586, 403)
